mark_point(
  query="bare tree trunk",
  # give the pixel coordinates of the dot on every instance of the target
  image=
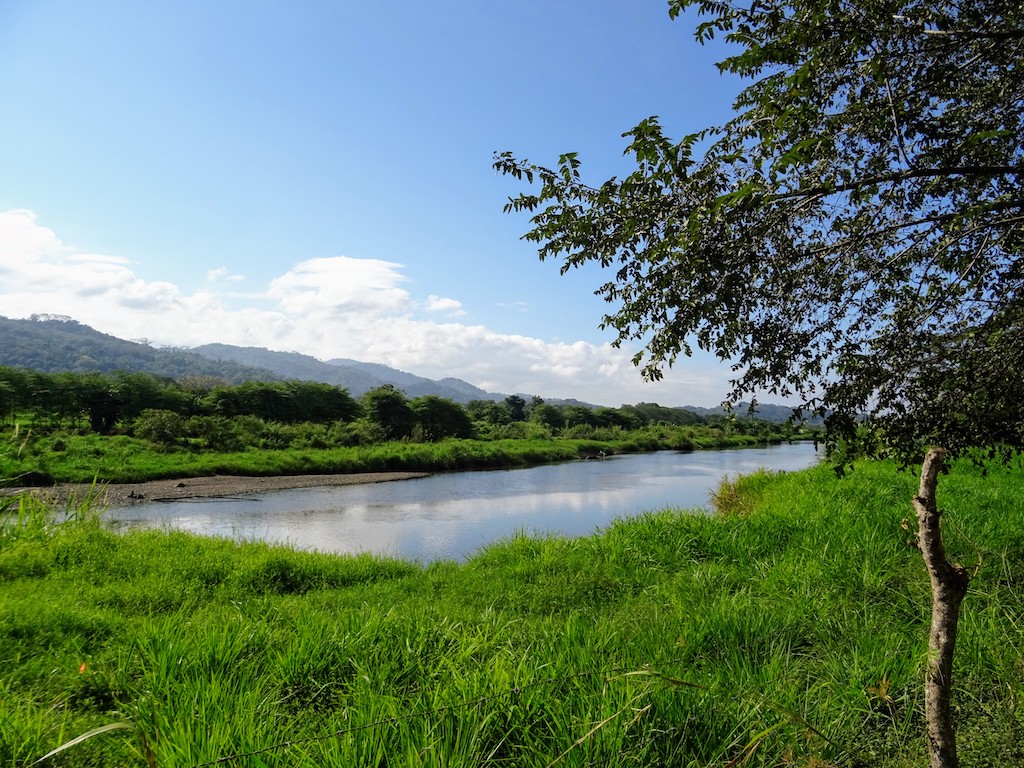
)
(949, 585)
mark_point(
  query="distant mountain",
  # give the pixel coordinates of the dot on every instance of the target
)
(777, 414)
(472, 392)
(414, 386)
(55, 343)
(355, 376)
(289, 365)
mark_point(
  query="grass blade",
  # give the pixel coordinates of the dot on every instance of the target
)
(84, 737)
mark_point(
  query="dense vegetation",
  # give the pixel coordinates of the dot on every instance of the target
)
(122, 427)
(788, 630)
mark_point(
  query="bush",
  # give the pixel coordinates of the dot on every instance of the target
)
(216, 433)
(591, 432)
(358, 432)
(521, 430)
(165, 428)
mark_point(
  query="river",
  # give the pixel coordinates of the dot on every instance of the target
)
(450, 515)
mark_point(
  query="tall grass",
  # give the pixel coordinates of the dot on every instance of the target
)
(81, 458)
(791, 631)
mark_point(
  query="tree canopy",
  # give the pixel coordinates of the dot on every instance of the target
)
(388, 408)
(851, 238)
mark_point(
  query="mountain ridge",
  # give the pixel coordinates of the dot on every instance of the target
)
(358, 377)
(56, 343)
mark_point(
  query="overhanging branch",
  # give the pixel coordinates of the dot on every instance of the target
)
(987, 171)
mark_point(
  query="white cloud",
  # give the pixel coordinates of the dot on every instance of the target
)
(448, 306)
(340, 286)
(522, 306)
(24, 239)
(325, 307)
(223, 273)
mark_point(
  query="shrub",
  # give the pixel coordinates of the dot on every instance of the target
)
(216, 433)
(521, 430)
(165, 428)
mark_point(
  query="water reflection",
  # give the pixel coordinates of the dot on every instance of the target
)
(449, 516)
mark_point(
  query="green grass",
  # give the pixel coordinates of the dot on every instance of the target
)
(790, 629)
(83, 458)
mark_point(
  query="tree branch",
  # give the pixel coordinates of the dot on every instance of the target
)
(908, 175)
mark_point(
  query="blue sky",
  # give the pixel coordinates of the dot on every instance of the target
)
(316, 176)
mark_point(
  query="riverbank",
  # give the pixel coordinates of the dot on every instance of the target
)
(46, 460)
(216, 486)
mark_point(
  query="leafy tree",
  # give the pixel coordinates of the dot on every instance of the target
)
(516, 408)
(140, 391)
(19, 383)
(488, 412)
(163, 427)
(287, 402)
(388, 408)
(200, 384)
(652, 413)
(215, 433)
(52, 396)
(617, 417)
(8, 402)
(576, 415)
(438, 418)
(192, 395)
(851, 238)
(317, 402)
(267, 400)
(99, 398)
(549, 415)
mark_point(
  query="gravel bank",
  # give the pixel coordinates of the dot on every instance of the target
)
(217, 486)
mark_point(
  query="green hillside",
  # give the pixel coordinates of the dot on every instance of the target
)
(53, 343)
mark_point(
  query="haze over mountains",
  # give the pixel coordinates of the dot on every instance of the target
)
(58, 343)
(55, 343)
(353, 375)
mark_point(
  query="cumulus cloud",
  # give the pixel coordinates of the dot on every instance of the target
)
(24, 238)
(41, 273)
(326, 307)
(448, 306)
(340, 286)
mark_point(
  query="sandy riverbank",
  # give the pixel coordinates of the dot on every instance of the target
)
(218, 486)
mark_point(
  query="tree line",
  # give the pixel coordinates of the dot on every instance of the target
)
(175, 411)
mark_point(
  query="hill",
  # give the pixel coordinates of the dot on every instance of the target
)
(458, 390)
(774, 413)
(54, 343)
(355, 376)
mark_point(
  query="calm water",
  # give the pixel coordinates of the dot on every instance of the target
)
(449, 516)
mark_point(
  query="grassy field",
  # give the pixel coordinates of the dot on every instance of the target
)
(790, 629)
